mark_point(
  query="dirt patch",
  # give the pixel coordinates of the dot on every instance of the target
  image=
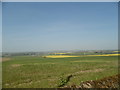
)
(87, 71)
(6, 59)
(16, 65)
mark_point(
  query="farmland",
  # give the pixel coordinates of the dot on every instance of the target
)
(40, 72)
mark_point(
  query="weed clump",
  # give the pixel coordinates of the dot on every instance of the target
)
(63, 81)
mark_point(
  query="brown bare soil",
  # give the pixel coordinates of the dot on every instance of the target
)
(107, 82)
(5, 59)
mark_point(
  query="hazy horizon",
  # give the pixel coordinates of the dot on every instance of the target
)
(38, 26)
(60, 51)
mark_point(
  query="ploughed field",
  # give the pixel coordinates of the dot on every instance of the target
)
(42, 72)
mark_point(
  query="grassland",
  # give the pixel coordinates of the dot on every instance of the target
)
(39, 72)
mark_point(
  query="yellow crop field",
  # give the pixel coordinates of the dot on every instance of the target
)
(60, 53)
(65, 56)
(59, 56)
(106, 55)
(116, 51)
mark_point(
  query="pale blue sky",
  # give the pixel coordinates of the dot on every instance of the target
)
(59, 26)
(0, 27)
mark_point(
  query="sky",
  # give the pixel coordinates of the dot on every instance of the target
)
(48, 26)
(0, 27)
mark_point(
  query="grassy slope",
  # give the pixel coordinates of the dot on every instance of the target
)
(37, 72)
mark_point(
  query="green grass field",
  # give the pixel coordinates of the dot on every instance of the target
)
(38, 72)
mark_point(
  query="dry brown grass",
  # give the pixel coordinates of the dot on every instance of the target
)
(16, 65)
(6, 59)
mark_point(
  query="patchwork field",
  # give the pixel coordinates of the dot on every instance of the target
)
(40, 72)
